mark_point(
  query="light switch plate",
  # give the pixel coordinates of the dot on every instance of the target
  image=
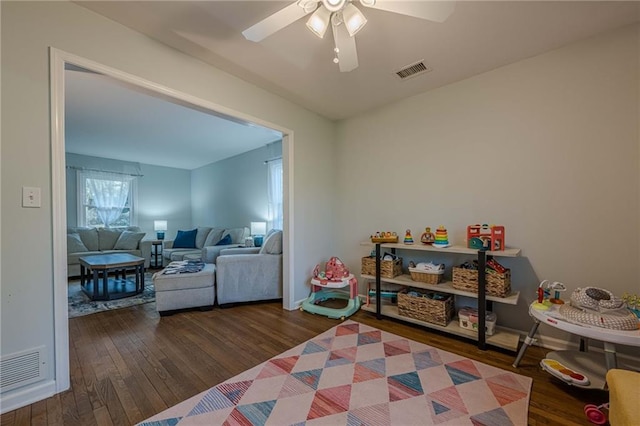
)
(30, 196)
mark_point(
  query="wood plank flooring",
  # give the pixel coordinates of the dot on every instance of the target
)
(129, 364)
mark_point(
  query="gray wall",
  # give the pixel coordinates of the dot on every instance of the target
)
(163, 192)
(547, 147)
(28, 30)
(232, 192)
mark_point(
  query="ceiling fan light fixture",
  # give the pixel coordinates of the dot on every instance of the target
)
(334, 5)
(308, 5)
(319, 22)
(353, 19)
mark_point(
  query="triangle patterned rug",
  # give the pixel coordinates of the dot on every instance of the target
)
(354, 374)
(80, 304)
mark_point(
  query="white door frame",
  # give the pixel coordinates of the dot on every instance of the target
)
(58, 59)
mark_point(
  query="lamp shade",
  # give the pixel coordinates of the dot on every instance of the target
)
(258, 228)
(353, 19)
(319, 21)
(159, 225)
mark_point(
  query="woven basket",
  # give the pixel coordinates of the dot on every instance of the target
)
(425, 277)
(424, 309)
(498, 285)
(388, 268)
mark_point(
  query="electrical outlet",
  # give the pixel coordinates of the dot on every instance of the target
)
(30, 196)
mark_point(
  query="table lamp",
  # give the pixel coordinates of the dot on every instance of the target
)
(258, 229)
(160, 226)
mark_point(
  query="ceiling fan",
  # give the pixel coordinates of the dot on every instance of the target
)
(345, 20)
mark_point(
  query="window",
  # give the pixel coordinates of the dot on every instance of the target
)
(106, 199)
(274, 191)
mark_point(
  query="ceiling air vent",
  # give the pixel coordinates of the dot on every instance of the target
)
(412, 70)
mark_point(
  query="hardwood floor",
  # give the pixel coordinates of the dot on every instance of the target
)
(129, 364)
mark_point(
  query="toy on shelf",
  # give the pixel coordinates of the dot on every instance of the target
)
(384, 237)
(442, 238)
(325, 285)
(408, 239)
(427, 236)
(485, 237)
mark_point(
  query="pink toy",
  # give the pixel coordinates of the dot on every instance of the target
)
(334, 271)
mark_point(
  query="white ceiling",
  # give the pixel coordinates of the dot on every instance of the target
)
(107, 119)
(477, 37)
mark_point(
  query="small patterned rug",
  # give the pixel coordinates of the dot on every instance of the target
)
(80, 304)
(354, 374)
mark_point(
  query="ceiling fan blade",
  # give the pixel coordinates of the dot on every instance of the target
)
(437, 11)
(277, 21)
(346, 45)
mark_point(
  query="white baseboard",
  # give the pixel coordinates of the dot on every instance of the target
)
(30, 394)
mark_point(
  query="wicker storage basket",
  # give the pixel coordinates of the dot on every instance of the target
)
(388, 268)
(498, 285)
(425, 277)
(425, 309)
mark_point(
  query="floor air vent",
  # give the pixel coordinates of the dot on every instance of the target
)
(22, 368)
(412, 70)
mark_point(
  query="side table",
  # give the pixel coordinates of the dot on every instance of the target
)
(588, 363)
(156, 253)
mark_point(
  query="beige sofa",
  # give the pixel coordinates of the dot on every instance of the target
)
(91, 241)
(206, 247)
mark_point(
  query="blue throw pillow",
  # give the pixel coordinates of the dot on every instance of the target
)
(185, 239)
(225, 241)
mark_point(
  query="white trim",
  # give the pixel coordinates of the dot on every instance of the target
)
(13, 400)
(59, 225)
(58, 58)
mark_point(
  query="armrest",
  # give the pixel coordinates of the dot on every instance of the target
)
(145, 250)
(167, 244)
(211, 253)
(240, 250)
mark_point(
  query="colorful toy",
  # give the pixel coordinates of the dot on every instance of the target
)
(633, 303)
(543, 297)
(384, 237)
(563, 373)
(408, 239)
(325, 285)
(427, 236)
(485, 237)
(595, 414)
(442, 238)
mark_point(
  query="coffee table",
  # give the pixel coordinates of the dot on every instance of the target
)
(115, 287)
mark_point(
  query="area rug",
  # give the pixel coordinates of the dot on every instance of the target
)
(354, 374)
(80, 304)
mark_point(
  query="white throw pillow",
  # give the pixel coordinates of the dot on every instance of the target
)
(273, 244)
(75, 244)
(129, 240)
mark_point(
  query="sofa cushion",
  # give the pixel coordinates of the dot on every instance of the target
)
(185, 239)
(201, 235)
(273, 244)
(214, 236)
(225, 241)
(128, 240)
(89, 237)
(107, 238)
(237, 235)
(75, 244)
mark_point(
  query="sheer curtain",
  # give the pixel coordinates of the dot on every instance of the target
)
(274, 193)
(109, 192)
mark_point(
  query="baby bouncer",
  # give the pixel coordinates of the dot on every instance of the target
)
(326, 285)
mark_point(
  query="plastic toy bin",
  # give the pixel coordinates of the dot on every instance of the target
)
(468, 318)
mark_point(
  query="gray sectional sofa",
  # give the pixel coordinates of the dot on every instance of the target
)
(207, 244)
(92, 241)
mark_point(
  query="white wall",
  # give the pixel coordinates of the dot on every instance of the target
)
(547, 147)
(232, 192)
(163, 192)
(28, 30)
